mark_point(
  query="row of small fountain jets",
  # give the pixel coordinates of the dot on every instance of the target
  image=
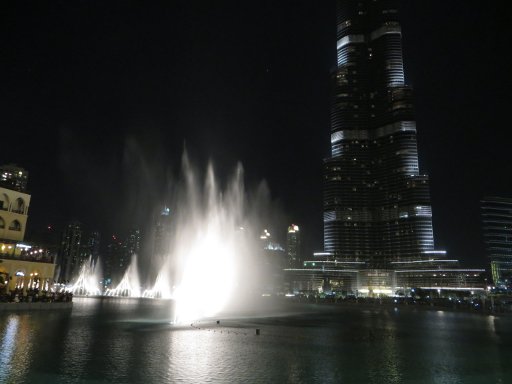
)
(88, 283)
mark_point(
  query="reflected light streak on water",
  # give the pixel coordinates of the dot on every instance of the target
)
(7, 346)
(76, 345)
(18, 342)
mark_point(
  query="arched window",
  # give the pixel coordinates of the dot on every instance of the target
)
(20, 278)
(15, 226)
(2, 223)
(4, 202)
(19, 206)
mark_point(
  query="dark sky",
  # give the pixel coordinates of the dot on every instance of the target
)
(99, 98)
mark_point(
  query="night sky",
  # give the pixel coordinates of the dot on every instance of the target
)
(98, 100)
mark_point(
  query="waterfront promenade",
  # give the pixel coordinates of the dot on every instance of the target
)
(18, 300)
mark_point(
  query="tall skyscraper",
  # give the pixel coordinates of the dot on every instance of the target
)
(378, 237)
(376, 202)
(497, 233)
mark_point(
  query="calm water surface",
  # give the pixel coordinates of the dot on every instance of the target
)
(129, 341)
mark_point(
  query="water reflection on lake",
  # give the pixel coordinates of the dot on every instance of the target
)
(130, 341)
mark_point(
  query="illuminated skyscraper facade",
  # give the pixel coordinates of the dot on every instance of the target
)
(378, 237)
(293, 246)
(376, 203)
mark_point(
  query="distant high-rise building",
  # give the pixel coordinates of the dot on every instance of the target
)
(13, 177)
(272, 261)
(497, 233)
(162, 233)
(133, 242)
(376, 202)
(90, 247)
(293, 246)
(119, 255)
(115, 261)
(70, 251)
(268, 244)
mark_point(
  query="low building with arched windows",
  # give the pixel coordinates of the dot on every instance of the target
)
(22, 266)
(13, 214)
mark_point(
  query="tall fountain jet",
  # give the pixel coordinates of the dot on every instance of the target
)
(210, 255)
(210, 248)
(129, 286)
(88, 280)
(210, 258)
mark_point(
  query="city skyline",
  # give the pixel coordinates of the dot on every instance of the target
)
(66, 90)
(275, 191)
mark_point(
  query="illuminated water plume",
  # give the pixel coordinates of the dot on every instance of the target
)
(209, 247)
(162, 287)
(129, 285)
(88, 281)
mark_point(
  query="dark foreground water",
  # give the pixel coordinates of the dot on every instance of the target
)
(126, 341)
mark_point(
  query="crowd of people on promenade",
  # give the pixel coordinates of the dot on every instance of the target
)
(35, 296)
